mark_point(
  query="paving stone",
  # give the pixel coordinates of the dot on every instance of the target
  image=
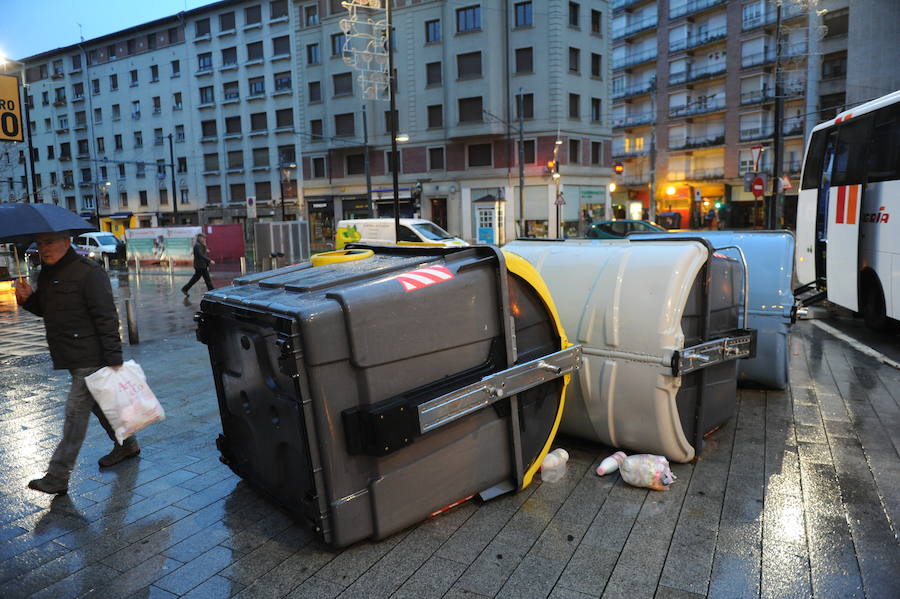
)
(432, 580)
(196, 571)
(214, 588)
(588, 570)
(316, 588)
(82, 582)
(535, 577)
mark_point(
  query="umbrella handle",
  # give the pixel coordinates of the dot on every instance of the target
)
(16, 257)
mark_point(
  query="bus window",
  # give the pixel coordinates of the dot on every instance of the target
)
(812, 170)
(884, 151)
(851, 152)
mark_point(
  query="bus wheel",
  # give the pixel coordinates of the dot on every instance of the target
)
(873, 306)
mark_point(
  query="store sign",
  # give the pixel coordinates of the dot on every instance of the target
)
(10, 110)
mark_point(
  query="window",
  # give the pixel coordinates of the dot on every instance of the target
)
(157, 137)
(111, 52)
(596, 65)
(433, 73)
(318, 167)
(836, 22)
(574, 60)
(172, 35)
(596, 110)
(435, 159)
(231, 90)
(851, 151)
(524, 60)
(229, 57)
(480, 155)
(176, 68)
(315, 92)
(51, 152)
(527, 104)
(257, 86)
(392, 162)
(468, 65)
(123, 197)
(343, 84)
(834, 65)
(283, 81)
(574, 106)
(432, 31)
(138, 139)
(154, 73)
(134, 78)
(136, 109)
(343, 124)
(76, 62)
(470, 110)
(435, 116)
(253, 15)
(176, 101)
(163, 193)
(529, 153)
(596, 152)
(260, 156)
(179, 133)
(287, 155)
(596, 22)
(226, 21)
(121, 169)
(130, 47)
(201, 28)
(468, 19)
(232, 125)
(95, 86)
(278, 9)
(101, 145)
(574, 8)
(284, 118)
(259, 121)
(884, 155)
(387, 121)
(524, 17)
(236, 159)
(356, 164)
(263, 190)
(281, 46)
(337, 44)
(312, 54)
(116, 112)
(316, 129)
(157, 105)
(206, 95)
(574, 151)
(142, 194)
(254, 51)
(311, 15)
(113, 83)
(213, 194)
(210, 162)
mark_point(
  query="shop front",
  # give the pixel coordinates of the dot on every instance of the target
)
(117, 223)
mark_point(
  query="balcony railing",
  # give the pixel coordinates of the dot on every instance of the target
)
(635, 27)
(696, 174)
(693, 41)
(633, 120)
(751, 133)
(752, 60)
(756, 96)
(696, 108)
(633, 90)
(689, 143)
(621, 152)
(692, 6)
(794, 127)
(620, 4)
(636, 58)
(795, 49)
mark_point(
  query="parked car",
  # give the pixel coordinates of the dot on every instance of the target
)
(101, 243)
(616, 229)
(34, 259)
(382, 231)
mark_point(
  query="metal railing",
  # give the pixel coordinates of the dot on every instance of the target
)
(751, 133)
(632, 120)
(752, 60)
(700, 39)
(696, 108)
(635, 27)
(692, 6)
(621, 152)
(696, 174)
(636, 58)
(757, 95)
(689, 143)
(633, 90)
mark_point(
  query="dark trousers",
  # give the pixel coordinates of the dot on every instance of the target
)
(199, 272)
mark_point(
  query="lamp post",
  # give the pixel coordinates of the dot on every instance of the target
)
(285, 175)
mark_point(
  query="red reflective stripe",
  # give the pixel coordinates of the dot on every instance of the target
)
(839, 211)
(851, 206)
(423, 277)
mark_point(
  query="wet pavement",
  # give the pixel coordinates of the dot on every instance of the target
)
(796, 496)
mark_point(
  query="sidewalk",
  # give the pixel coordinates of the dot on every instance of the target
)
(795, 497)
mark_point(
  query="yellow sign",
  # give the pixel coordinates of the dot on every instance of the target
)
(10, 110)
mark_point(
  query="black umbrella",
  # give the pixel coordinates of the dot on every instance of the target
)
(20, 222)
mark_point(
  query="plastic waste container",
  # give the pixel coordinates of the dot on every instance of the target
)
(372, 391)
(659, 326)
(771, 304)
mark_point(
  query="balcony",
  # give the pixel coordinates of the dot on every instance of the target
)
(80, 126)
(788, 11)
(635, 27)
(756, 96)
(633, 90)
(86, 183)
(67, 185)
(793, 166)
(693, 6)
(793, 127)
(621, 152)
(796, 49)
(78, 98)
(59, 102)
(633, 120)
(57, 75)
(204, 70)
(65, 157)
(752, 133)
(695, 108)
(696, 174)
(634, 179)
(691, 143)
(759, 58)
(697, 40)
(620, 4)
(636, 58)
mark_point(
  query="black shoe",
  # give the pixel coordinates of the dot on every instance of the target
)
(185, 292)
(50, 485)
(120, 453)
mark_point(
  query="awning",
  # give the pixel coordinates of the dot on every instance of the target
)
(86, 214)
(121, 215)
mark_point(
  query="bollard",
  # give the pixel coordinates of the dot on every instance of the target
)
(243, 265)
(137, 266)
(274, 262)
(171, 265)
(106, 262)
(133, 337)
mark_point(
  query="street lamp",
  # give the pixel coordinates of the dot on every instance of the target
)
(285, 175)
(26, 125)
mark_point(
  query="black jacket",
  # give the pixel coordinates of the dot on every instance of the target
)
(201, 257)
(75, 299)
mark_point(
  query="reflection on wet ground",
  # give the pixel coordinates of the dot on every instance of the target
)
(795, 497)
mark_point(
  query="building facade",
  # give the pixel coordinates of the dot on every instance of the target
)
(197, 112)
(694, 80)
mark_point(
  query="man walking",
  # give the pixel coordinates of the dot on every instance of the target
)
(75, 299)
(201, 265)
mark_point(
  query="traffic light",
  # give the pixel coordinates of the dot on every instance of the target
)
(553, 168)
(619, 168)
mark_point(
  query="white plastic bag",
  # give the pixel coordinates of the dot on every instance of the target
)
(553, 468)
(125, 398)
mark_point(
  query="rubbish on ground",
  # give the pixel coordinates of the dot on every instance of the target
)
(553, 468)
(611, 463)
(647, 470)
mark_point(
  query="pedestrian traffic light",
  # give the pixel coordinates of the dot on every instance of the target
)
(619, 168)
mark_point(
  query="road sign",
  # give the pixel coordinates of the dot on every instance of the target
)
(759, 187)
(251, 206)
(10, 110)
(784, 183)
(749, 176)
(560, 199)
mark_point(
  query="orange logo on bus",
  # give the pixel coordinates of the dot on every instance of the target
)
(847, 200)
(877, 217)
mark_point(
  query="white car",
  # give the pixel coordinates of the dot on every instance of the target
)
(100, 243)
(382, 231)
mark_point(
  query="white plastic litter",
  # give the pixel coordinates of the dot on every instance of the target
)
(611, 464)
(553, 468)
(640, 470)
(125, 398)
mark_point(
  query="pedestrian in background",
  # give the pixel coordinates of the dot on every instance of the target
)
(201, 265)
(75, 299)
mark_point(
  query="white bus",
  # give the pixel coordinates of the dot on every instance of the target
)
(848, 211)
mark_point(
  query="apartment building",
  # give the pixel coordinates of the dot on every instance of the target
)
(206, 93)
(695, 80)
(460, 67)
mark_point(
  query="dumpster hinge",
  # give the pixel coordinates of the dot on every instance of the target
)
(739, 344)
(290, 354)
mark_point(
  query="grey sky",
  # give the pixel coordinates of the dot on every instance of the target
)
(35, 26)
